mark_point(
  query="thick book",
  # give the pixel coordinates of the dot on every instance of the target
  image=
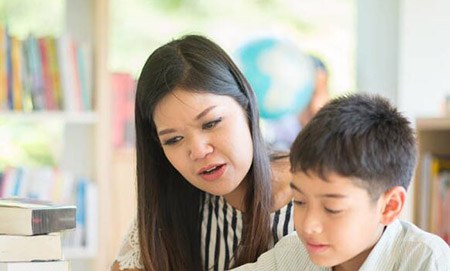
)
(20, 216)
(35, 266)
(17, 248)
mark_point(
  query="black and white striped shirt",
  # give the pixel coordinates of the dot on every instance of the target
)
(221, 230)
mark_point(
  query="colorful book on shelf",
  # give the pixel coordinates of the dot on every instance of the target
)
(74, 61)
(54, 71)
(124, 88)
(18, 248)
(50, 101)
(37, 83)
(16, 48)
(27, 99)
(67, 73)
(3, 70)
(9, 72)
(440, 183)
(36, 266)
(434, 195)
(29, 217)
(85, 70)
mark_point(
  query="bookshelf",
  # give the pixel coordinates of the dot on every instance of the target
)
(87, 134)
(64, 117)
(433, 135)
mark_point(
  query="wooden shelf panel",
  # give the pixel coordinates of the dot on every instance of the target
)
(426, 124)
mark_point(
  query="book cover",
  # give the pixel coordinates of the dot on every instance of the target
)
(19, 216)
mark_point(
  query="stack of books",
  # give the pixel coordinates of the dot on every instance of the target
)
(30, 234)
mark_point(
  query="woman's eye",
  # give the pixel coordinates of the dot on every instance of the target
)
(211, 124)
(331, 211)
(172, 140)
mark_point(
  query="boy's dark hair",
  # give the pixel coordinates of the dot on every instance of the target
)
(358, 136)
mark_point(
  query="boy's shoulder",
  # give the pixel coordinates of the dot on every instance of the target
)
(416, 237)
(288, 254)
(409, 248)
(423, 244)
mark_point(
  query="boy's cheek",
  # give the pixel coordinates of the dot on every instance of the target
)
(297, 222)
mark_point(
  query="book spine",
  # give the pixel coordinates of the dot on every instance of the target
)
(16, 72)
(54, 72)
(48, 87)
(27, 100)
(75, 69)
(3, 70)
(37, 81)
(9, 72)
(53, 220)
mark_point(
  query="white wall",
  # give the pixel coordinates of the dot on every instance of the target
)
(424, 63)
(404, 54)
(377, 47)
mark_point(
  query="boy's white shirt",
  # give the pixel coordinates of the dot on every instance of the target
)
(402, 247)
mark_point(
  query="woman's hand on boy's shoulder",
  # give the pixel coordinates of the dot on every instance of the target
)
(281, 189)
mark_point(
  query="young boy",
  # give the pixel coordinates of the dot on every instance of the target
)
(351, 167)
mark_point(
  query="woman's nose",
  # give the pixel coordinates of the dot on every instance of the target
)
(199, 148)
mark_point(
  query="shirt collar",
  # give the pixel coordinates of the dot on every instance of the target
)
(384, 249)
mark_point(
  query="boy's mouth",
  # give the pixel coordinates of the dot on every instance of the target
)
(316, 248)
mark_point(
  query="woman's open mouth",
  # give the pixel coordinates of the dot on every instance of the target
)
(213, 172)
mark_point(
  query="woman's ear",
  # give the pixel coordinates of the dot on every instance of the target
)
(393, 203)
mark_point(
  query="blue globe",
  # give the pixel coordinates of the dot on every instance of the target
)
(281, 75)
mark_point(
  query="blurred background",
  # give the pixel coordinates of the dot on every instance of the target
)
(68, 71)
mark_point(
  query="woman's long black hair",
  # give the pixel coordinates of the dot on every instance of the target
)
(169, 206)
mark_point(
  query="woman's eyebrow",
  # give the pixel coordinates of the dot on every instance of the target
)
(204, 112)
(166, 131)
(199, 116)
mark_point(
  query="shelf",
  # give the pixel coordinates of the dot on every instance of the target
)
(426, 124)
(68, 117)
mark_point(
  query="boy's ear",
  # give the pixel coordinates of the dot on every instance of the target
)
(393, 203)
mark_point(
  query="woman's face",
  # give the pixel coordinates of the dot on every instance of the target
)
(206, 137)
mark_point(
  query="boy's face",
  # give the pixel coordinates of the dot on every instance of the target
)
(336, 220)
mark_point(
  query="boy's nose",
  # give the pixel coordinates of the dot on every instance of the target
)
(311, 224)
(199, 148)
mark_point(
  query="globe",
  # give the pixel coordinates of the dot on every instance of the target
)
(281, 75)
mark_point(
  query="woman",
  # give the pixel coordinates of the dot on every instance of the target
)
(205, 184)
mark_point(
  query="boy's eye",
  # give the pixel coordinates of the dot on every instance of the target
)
(331, 211)
(299, 202)
(172, 140)
(211, 124)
